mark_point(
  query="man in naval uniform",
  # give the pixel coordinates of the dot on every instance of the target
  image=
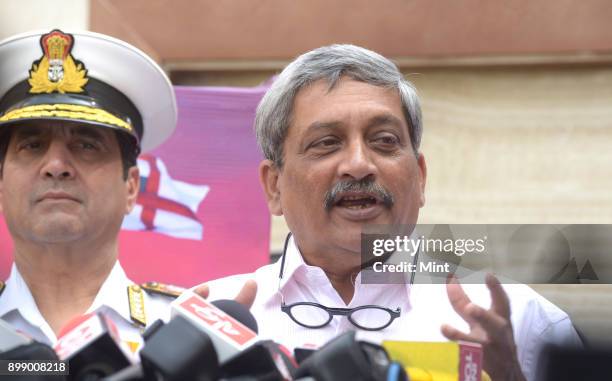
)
(76, 109)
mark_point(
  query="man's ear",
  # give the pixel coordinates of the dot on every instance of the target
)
(422, 176)
(269, 178)
(132, 185)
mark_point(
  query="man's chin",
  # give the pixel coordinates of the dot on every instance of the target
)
(61, 230)
(349, 239)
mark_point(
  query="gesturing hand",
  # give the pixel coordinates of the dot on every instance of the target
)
(492, 328)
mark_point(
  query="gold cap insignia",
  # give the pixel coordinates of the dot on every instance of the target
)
(57, 70)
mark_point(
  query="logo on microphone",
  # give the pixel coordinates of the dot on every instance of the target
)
(217, 320)
(79, 337)
(470, 368)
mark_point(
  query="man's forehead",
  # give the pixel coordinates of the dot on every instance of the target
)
(318, 105)
(61, 128)
(331, 85)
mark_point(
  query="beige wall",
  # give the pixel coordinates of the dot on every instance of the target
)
(517, 145)
(20, 16)
(209, 30)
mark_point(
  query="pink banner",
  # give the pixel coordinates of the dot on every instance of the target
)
(201, 213)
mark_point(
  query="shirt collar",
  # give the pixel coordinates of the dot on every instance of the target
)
(296, 269)
(294, 264)
(115, 284)
(17, 296)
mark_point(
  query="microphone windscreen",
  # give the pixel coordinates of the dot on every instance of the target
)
(10, 338)
(238, 312)
(345, 358)
(92, 347)
(179, 351)
(228, 334)
(32, 351)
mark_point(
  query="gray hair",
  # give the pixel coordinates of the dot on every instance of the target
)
(330, 63)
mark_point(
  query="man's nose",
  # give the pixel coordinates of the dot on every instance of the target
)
(357, 162)
(57, 162)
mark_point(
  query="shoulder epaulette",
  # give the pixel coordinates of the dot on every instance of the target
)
(136, 303)
(163, 289)
(2, 286)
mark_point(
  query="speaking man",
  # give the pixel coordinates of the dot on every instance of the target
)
(340, 130)
(76, 109)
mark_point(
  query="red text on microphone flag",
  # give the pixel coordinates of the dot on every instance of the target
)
(218, 320)
(77, 338)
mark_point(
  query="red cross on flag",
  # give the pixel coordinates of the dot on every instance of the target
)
(165, 205)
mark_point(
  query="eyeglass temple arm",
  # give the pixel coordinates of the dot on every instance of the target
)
(282, 266)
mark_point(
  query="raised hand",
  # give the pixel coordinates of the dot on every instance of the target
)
(492, 328)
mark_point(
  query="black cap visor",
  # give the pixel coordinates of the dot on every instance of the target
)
(99, 105)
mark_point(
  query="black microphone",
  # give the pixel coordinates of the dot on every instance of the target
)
(558, 363)
(179, 351)
(229, 336)
(232, 329)
(345, 358)
(92, 347)
(238, 312)
(188, 347)
(16, 346)
(265, 360)
(182, 349)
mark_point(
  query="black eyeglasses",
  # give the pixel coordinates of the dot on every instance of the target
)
(315, 315)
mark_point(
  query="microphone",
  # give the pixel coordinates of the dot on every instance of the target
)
(345, 358)
(188, 346)
(437, 361)
(17, 346)
(10, 338)
(229, 336)
(265, 360)
(182, 349)
(238, 312)
(233, 331)
(179, 351)
(565, 363)
(300, 353)
(92, 347)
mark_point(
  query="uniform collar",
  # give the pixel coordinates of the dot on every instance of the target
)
(115, 284)
(17, 296)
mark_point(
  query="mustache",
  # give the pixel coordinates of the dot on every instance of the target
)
(365, 185)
